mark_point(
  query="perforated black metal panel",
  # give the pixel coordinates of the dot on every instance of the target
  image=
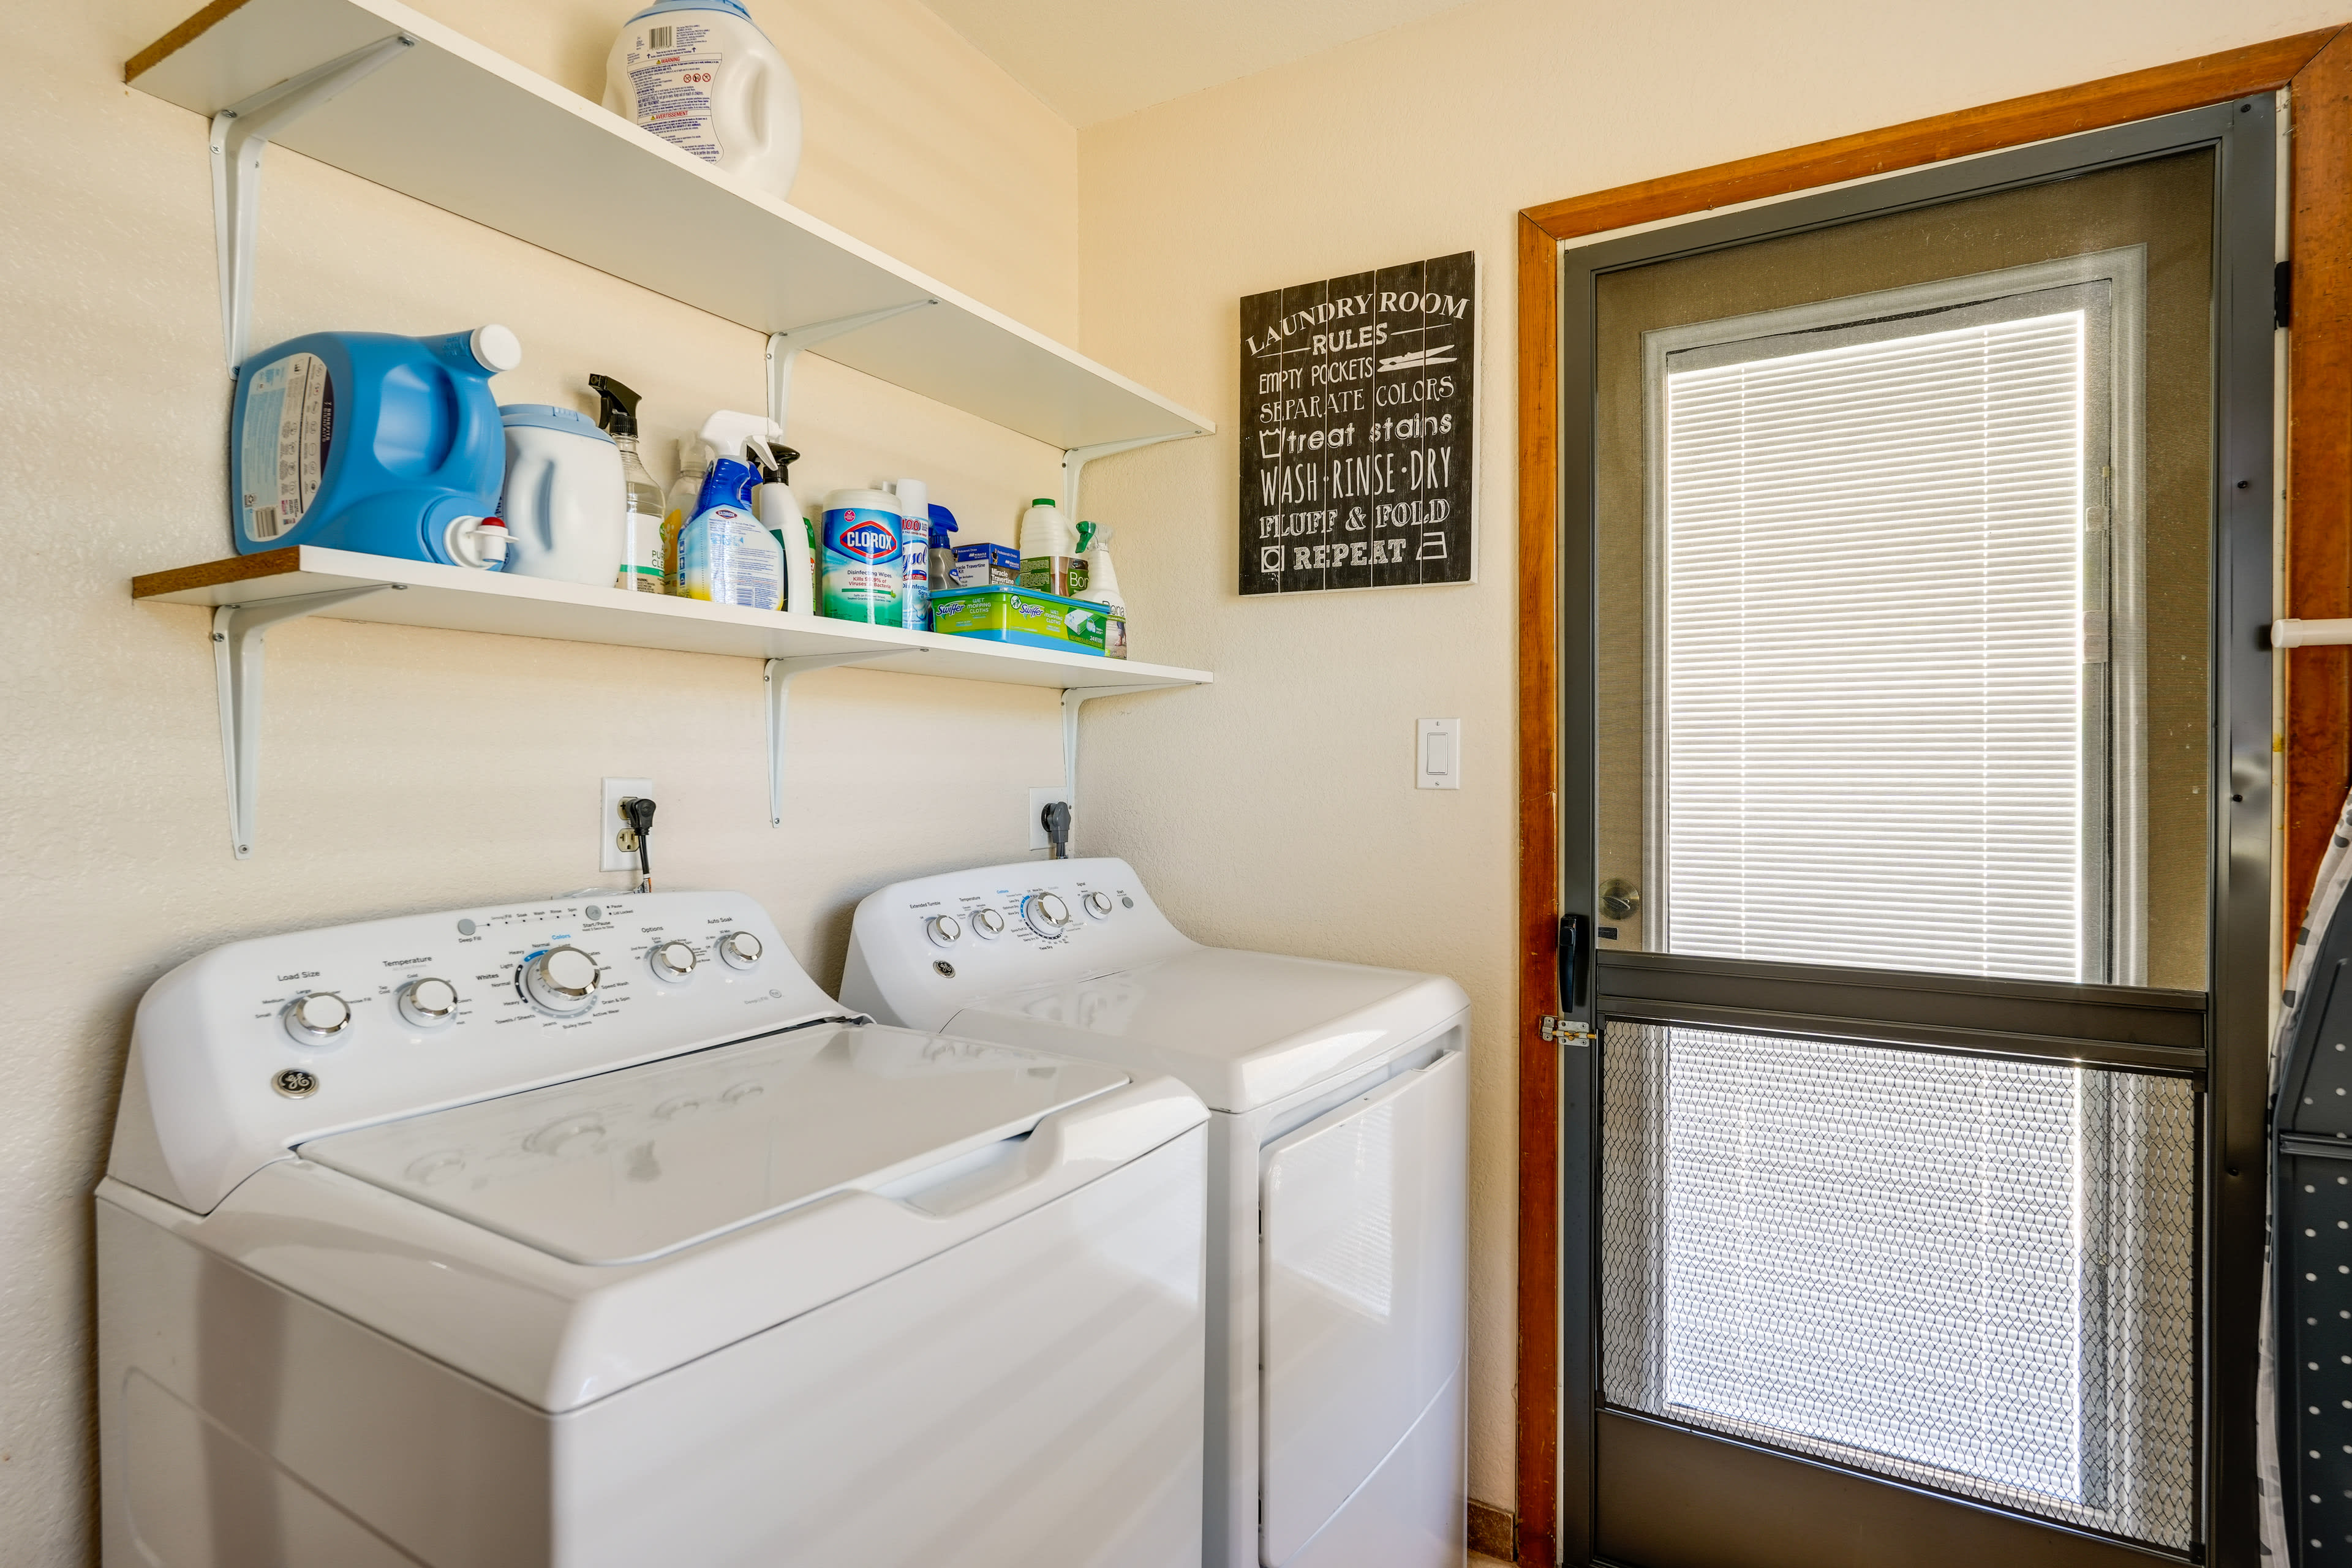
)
(2316, 1346)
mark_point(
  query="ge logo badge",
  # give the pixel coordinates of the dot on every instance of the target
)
(296, 1084)
(1269, 558)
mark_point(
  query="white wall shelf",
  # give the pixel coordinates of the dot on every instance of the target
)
(249, 594)
(449, 122)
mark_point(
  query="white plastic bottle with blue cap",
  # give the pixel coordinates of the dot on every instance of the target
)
(564, 504)
(700, 74)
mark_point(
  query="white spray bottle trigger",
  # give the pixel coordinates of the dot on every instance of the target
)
(731, 433)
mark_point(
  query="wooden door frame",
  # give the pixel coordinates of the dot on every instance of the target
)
(2316, 723)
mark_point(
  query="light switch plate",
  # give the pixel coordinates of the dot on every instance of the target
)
(612, 824)
(1437, 753)
(1039, 799)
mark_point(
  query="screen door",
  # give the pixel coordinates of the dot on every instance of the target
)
(1899, 594)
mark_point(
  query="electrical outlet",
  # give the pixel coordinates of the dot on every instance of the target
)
(610, 834)
(1039, 799)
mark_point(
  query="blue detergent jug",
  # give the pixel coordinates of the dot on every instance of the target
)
(373, 442)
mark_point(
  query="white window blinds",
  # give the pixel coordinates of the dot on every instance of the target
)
(1870, 713)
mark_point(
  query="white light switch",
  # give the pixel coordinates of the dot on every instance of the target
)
(1438, 764)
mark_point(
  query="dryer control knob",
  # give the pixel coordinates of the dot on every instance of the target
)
(1046, 913)
(428, 1003)
(741, 950)
(672, 960)
(945, 931)
(1098, 905)
(988, 924)
(317, 1018)
(563, 979)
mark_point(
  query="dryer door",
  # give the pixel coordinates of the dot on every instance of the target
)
(1362, 1281)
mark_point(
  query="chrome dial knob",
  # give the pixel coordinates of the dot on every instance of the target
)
(988, 924)
(945, 931)
(741, 950)
(428, 1002)
(1098, 905)
(317, 1018)
(562, 981)
(672, 961)
(1046, 913)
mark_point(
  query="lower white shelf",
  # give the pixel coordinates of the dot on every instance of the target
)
(455, 599)
(251, 593)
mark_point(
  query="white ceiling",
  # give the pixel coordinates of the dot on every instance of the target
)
(1098, 60)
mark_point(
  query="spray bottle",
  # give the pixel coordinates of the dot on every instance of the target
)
(641, 563)
(1102, 577)
(685, 492)
(942, 549)
(779, 512)
(724, 555)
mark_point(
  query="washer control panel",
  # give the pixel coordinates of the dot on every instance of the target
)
(921, 949)
(242, 1052)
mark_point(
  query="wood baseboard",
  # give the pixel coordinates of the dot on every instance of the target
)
(1493, 1532)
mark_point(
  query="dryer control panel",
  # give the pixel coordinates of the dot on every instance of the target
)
(240, 1053)
(919, 950)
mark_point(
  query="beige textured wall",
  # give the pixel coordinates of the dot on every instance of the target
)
(406, 770)
(1277, 808)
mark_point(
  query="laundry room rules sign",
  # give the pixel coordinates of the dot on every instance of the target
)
(1357, 439)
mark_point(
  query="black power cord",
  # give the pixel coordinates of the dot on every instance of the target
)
(639, 810)
(1055, 819)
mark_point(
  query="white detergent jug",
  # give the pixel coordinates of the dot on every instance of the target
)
(565, 505)
(700, 74)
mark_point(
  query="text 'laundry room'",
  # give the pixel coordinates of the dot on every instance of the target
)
(1018, 783)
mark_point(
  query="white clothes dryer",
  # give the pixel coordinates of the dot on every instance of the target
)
(593, 1235)
(1337, 1099)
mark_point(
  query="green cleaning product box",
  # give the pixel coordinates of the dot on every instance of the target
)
(1063, 575)
(1032, 619)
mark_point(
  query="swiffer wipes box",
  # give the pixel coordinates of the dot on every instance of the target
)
(1031, 619)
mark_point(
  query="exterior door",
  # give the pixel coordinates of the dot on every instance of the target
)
(1916, 746)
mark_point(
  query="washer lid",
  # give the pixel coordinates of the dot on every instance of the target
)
(1239, 1030)
(628, 1165)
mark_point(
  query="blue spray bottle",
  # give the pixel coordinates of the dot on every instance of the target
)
(724, 554)
(373, 442)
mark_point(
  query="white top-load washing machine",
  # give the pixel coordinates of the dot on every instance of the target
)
(593, 1235)
(1338, 1101)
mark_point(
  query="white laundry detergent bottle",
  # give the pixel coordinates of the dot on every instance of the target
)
(564, 503)
(700, 74)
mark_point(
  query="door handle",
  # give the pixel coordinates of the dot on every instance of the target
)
(1575, 953)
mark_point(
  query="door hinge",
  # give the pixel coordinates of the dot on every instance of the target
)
(1567, 1031)
(2282, 294)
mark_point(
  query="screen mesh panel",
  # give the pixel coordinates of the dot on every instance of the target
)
(1969, 1274)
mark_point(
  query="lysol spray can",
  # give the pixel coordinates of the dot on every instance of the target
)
(915, 547)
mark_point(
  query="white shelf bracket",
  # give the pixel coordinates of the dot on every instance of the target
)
(784, 349)
(237, 633)
(1075, 458)
(1072, 698)
(779, 674)
(240, 135)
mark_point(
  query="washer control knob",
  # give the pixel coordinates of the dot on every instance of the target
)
(989, 923)
(672, 960)
(1046, 913)
(1098, 905)
(945, 931)
(319, 1018)
(563, 979)
(428, 1003)
(741, 950)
